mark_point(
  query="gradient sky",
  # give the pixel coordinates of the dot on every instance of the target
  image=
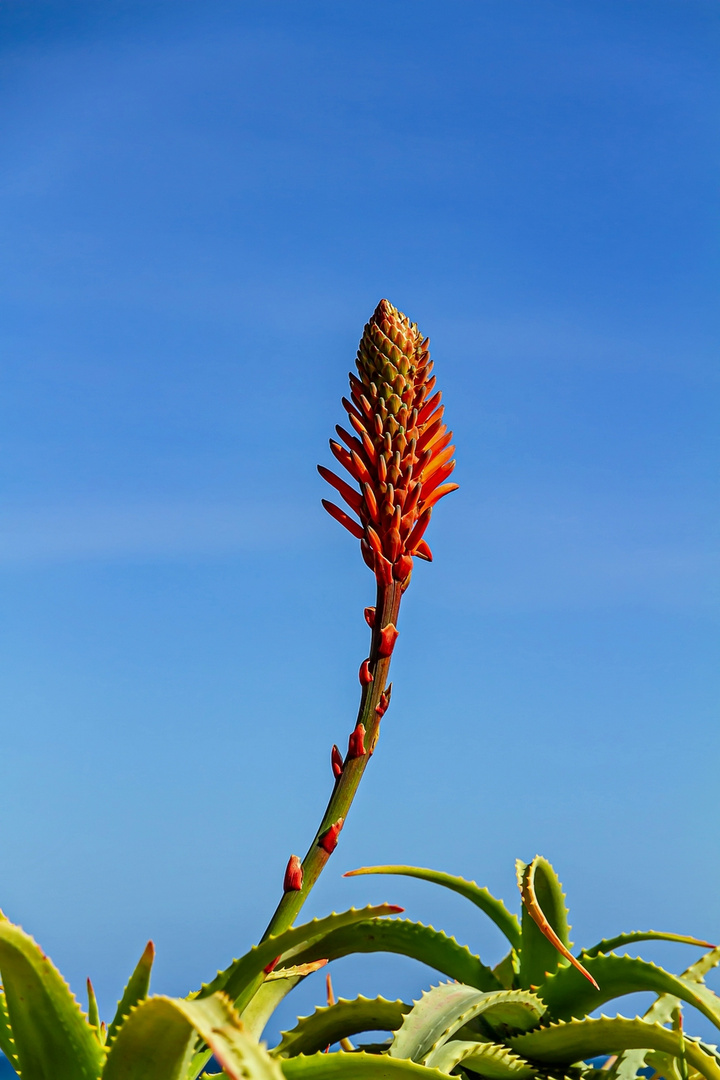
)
(201, 206)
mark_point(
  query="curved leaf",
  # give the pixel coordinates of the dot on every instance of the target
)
(545, 930)
(610, 944)
(419, 942)
(275, 988)
(358, 1066)
(577, 1040)
(7, 1043)
(568, 994)
(506, 971)
(51, 1036)
(445, 1009)
(630, 1062)
(135, 991)
(476, 894)
(157, 1039)
(241, 973)
(699, 969)
(329, 1024)
(490, 1059)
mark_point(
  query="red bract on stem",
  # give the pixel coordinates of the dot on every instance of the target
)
(398, 458)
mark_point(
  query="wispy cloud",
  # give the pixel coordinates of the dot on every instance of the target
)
(152, 530)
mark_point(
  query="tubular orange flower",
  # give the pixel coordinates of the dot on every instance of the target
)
(399, 456)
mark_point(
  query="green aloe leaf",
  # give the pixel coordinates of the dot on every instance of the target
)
(478, 895)
(358, 1066)
(93, 1015)
(445, 1009)
(156, 1041)
(660, 1012)
(491, 1060)
(699, 969)
(276, 987)
(419, 942)
(507, 970)
(565, 1043)
(608, 945)
(7, 1043)
(567, 994)
(545, 930)
(238, 977)
(136, 990)
(329, 1024)
(52, 1039)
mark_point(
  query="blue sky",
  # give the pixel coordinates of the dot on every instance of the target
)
(202, 204)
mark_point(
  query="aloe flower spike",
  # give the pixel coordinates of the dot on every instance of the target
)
(402, 456)
(397, 455)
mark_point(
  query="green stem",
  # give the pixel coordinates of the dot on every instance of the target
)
(346, 785)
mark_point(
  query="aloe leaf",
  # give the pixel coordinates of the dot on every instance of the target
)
(136, 990)
(445, 1009)
(545, 930)
(329, 1024)
(567, 994)
(241, 973)
(699, 969)
(157, 1039)
(93, 1015)
(611, 944)
(629, 1063)
(51, 1037)
(358, 1066)
(276, 987)
(491, 1060)
(577, 1040)
(419, 942)
(478, 895)
(7, 1043)
(506, 971)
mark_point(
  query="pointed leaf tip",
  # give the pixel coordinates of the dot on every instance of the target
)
(526, 883)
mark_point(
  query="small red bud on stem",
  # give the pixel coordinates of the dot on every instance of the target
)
(356, 745)
(388, 637)
(337, 762)
(293, 875)
(381, 707)
(366, 675)
(369, 614)
(328, 840)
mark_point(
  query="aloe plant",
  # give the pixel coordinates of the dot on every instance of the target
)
(526, 1017)
(401, 460)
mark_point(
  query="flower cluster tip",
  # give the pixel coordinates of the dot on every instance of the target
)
(398, 452)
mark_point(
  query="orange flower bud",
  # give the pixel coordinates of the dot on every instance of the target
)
(403, 567)
(383, 570)
(422, 551)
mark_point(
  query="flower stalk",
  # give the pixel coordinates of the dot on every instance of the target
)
(399, 457)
